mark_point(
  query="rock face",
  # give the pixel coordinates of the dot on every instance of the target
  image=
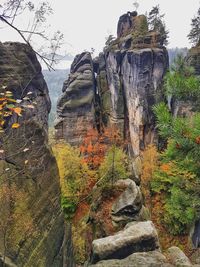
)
(134, 79)
(30, 166)
(75, 107)
(130, 75)
(194, 59)
(142, 259)
(178, 258)
(124, 82)
(136, 237)
(128, 206)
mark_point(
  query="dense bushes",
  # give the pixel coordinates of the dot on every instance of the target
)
(77, 179)
(74, 176)
(178, 173)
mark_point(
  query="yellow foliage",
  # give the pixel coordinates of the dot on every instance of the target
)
(15, 125)
(16, 222)
(74, 173)
(149, 165)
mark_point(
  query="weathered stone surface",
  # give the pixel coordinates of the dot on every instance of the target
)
(183, 108)
(178, 258)
(131, 23)
(124, 25)
(142, 259)
(136, 237)
(113, 69)
(193, 59)
(75, 107)
(134, 79)
(129, 204)
(21, 73)
(195, 258)
(102, 88)
(142, 76)
(34, 172)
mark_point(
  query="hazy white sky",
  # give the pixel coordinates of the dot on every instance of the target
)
(86, 23)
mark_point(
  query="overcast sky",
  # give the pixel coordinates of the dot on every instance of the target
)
(86, 23)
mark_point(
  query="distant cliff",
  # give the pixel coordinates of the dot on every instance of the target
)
(28, 166)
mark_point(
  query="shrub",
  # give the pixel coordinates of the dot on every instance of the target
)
(114, 166)
(178, 175)
(74, 176)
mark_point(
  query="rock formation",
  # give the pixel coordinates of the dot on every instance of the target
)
(128, 81)
(177, 257)
(136, 237)
(118, 90)
(128, 206)
(75, 107)
(142, 259)
(193, 58)
(28, 166)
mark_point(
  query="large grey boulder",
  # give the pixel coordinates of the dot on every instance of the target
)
(141, 259)
(136, 237)
(128, 205)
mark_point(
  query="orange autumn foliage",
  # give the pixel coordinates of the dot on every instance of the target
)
(165, 167)
(197, 140)
(95, 145)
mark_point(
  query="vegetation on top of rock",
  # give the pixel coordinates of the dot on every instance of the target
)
(194, 35)
(156, 23)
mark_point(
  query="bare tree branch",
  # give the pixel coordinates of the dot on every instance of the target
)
(24, 38)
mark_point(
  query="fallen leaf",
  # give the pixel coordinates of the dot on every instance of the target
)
(26, 149)
(30, 106)
(18, 111)
(15, 125)
(26, 162)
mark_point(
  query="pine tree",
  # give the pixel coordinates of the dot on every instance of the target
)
(181, 82)
(156, 23)
(194, 35)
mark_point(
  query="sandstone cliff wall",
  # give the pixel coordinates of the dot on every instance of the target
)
(28, 165)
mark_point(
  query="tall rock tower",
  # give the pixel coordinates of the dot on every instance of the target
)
(124, 82)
